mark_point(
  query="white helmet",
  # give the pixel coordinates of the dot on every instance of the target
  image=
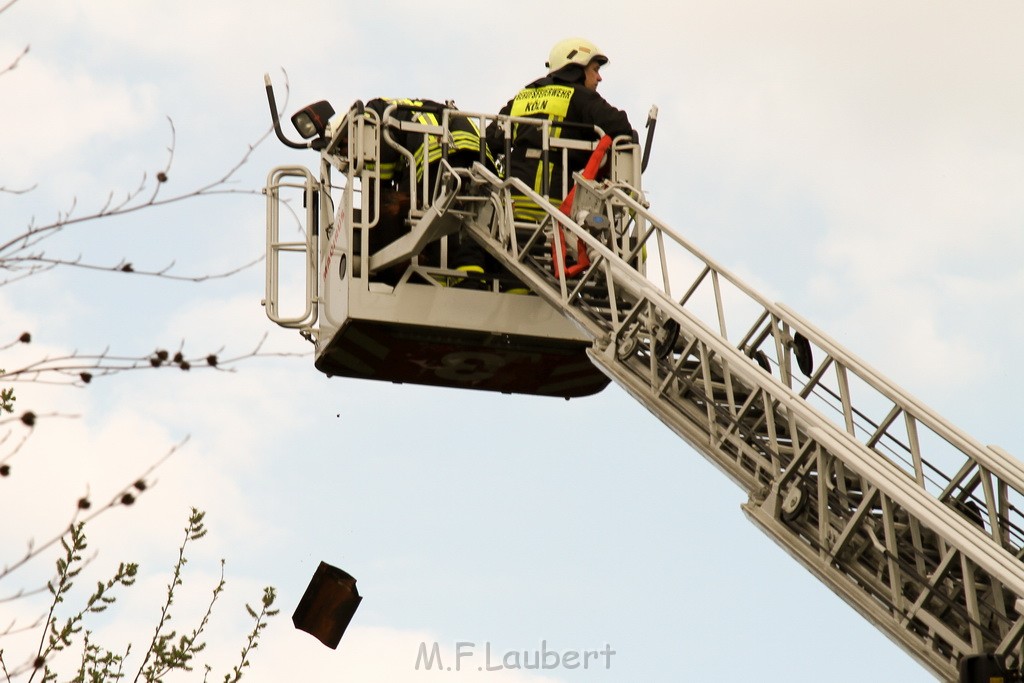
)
(574, 51)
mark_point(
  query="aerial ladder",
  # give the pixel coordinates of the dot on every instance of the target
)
(912, 522)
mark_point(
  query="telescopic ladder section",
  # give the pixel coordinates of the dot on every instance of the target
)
(912, 522)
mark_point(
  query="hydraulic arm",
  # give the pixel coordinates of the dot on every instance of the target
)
(909, 520)
(912, 522)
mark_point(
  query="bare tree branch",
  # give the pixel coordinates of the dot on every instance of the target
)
(84, 511)
(18, 596)
(80, 369)
(23, 254)
(13, 627)
(5, 469)
(13, 65)
(35, 263)
(28, 419)
(23, 338)
(6, 6)
(24, 190)
(16, 250)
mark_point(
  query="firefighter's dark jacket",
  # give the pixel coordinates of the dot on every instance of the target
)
(559, 97)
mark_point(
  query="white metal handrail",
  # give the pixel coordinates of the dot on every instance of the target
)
(277, 180)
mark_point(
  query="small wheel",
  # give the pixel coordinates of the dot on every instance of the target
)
(665, 337)
(793, 503)
(802, 351)
(627, 343)
(625, 348)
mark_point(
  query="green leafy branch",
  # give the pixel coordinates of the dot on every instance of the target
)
(59, 636)
(6, 398)
(269, 595)
(167, 651)
(164, 654)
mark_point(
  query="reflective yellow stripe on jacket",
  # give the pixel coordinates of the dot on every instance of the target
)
(458, 139)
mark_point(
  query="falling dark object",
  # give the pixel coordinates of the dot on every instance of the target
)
(328, 605)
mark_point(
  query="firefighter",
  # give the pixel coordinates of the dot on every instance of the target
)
(566, 95)
(464, 147)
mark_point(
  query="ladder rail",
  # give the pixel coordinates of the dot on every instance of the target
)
(881, 535)
(1008, 472)
(985, 462)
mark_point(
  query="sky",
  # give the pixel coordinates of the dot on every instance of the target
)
(860, 162)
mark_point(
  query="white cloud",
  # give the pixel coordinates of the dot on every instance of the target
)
(885, 133)
(64, 112)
